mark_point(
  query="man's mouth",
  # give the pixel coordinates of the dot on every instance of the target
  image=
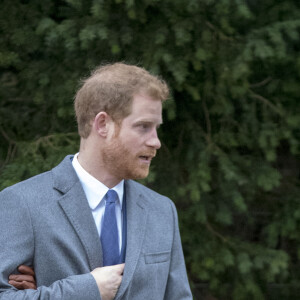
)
(146, 158)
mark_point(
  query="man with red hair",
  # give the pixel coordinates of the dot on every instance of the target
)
(86, 228)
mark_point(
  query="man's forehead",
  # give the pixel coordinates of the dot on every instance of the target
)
(148, 114)
(148, 107)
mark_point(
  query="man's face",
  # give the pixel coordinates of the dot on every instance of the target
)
(130, 150)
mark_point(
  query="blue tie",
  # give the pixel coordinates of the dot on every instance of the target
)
(109, 231)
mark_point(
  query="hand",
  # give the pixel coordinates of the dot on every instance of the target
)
(25, 280)
(108, 280)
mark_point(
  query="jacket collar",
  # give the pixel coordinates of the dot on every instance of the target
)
(76, 208)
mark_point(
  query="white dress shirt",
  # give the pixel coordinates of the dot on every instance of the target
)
(95, 192)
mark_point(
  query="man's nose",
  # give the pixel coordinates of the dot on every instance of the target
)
(153, 140)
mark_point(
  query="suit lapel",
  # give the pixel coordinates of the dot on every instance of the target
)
(75, 205)
(136, 223)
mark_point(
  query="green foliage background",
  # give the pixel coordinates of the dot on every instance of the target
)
(230, 156)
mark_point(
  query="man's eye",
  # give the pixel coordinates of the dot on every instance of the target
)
(145, 126)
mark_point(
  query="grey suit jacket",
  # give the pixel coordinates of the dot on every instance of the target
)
(46, 223)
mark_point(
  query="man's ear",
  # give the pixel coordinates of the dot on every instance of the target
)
(101, 123)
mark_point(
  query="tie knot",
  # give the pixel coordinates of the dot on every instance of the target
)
(111, 196)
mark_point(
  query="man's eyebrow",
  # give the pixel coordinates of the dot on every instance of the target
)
(148, 121)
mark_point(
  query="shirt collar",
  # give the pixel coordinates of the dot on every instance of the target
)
(93, 188)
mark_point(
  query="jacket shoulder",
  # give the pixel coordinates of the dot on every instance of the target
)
(36, 182)
(39, 184)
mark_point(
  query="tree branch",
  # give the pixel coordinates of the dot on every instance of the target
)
(218, 31)
(262, 83)
(214, 232)
(207, 119)
(266, 102)
(6, 136)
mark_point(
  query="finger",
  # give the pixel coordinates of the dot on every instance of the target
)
(120, 268)
(22, 285)
(26, 270)
(118, 282)
(21, 278)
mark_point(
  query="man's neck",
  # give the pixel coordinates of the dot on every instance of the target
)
(95, 166)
